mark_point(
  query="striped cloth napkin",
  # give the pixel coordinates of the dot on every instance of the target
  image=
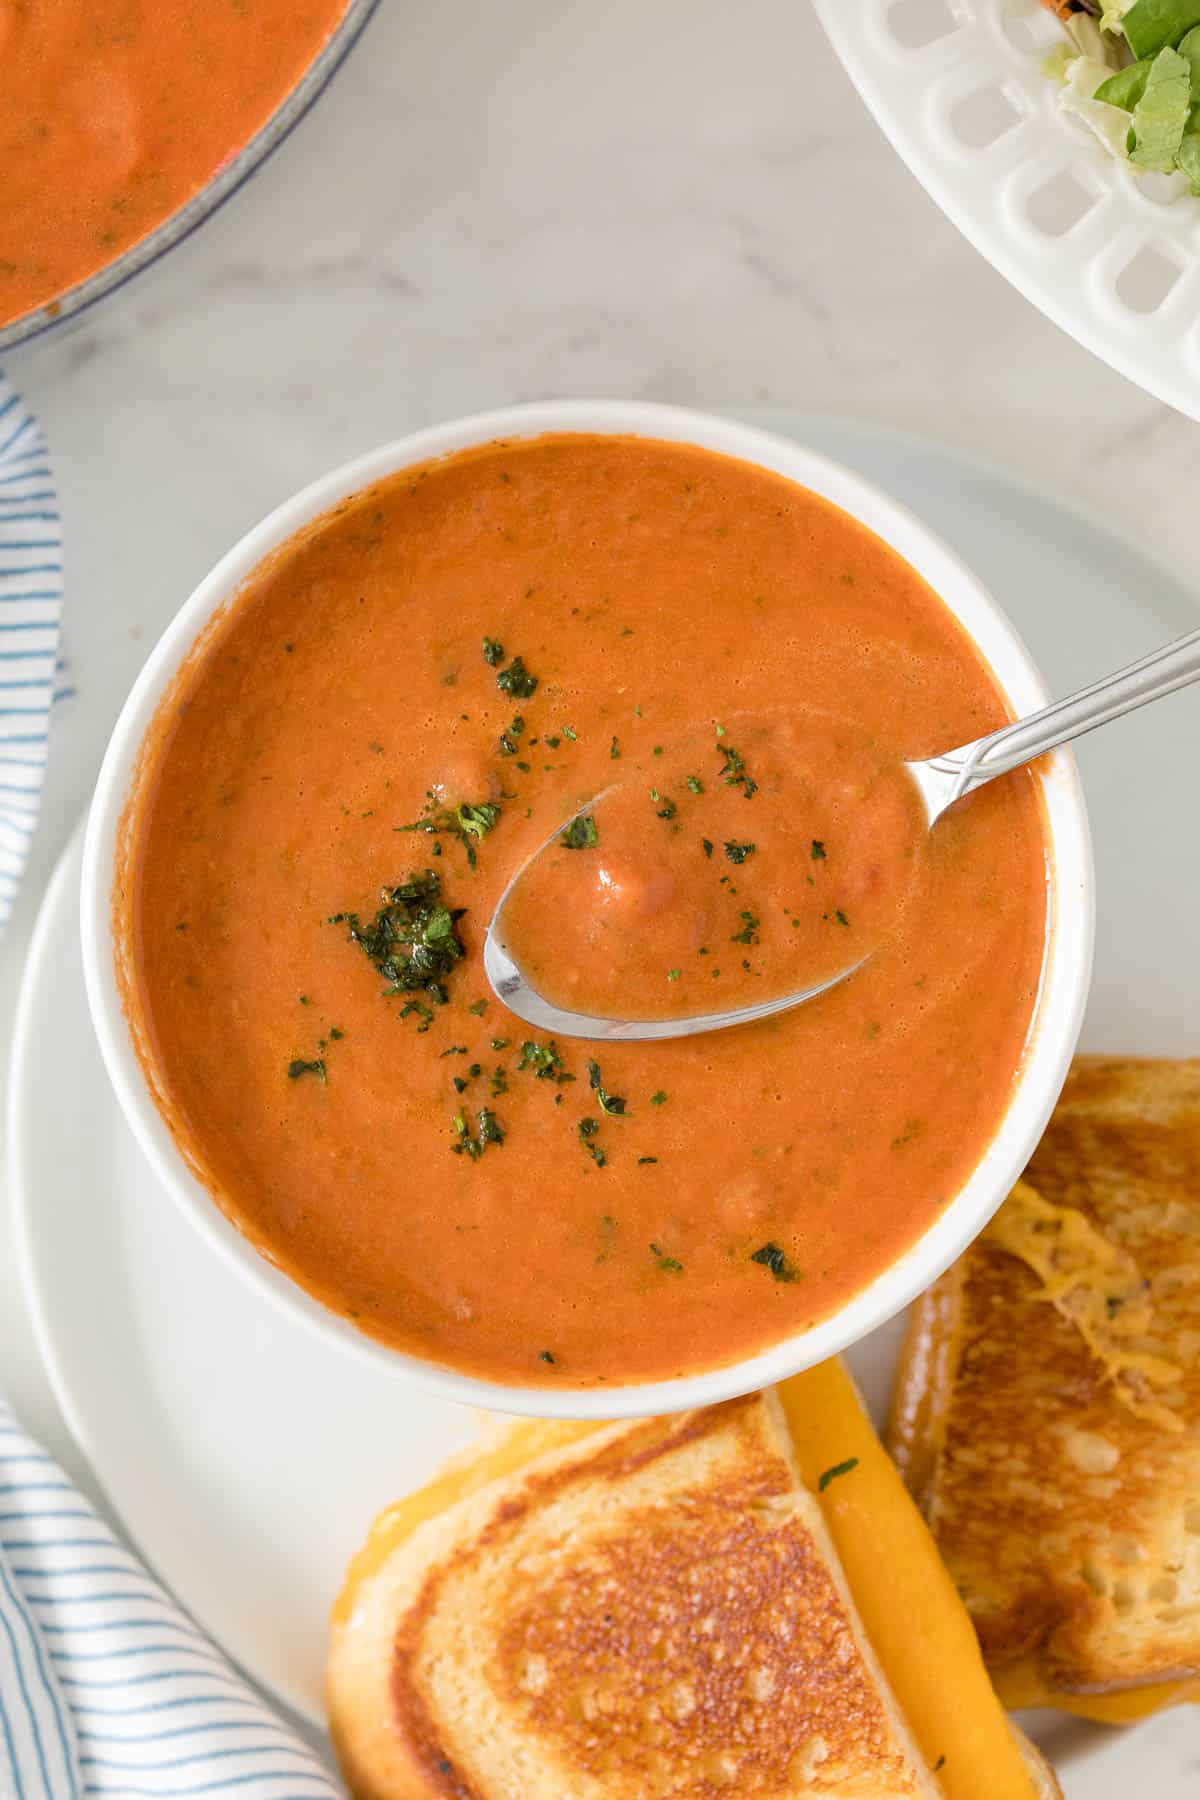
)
(106, 1687)
(31, 675)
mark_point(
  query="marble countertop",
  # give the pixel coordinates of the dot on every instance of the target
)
(495, 203)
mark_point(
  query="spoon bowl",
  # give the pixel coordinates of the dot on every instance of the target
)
(940, 781)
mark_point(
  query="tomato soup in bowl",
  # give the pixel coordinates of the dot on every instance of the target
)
(124, 125)
(370, 715)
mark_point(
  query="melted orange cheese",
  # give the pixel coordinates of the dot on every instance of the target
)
(911, 1609)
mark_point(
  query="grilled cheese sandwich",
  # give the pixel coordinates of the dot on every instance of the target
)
(742, 1599)
(1047, 1414)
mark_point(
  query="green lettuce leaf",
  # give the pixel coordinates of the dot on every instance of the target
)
(1160, 117)
(1188, 158)
(1126, 87)
(1150, 25)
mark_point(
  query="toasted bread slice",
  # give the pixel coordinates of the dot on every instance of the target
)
(1047, 1413)
(646, 1609)
(655, 1609)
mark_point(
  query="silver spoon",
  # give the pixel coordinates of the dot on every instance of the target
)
(941, 781)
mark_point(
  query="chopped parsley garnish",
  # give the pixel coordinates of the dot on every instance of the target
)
(499, 1081)
(299, 1067)
(733, 770)
(493, 652)
(468, 822)
(500, 1043)
(570, 733)
(667, 810)
(478, 1007)
(517, 680)
(580, 834)
(658, 1098)
(772, 1257)
(546, 1356)
(336, 1033)
(708, 846)
(587, 1133)
(737, 853)
(613, 1104)
(749, 932)
(460, 1084)
(412, 939)
(842, 1468)
(614, 750)
(818, 850)
(695, 784)
(472, 1144)
(670, 1265)
(646, 1159)
(543, 1059)
(840, 916)
(552, 743)
(672, 974)
(455, 1050)
(508, 738)
(423, 1012)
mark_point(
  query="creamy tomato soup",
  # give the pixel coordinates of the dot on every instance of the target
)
(400, 705)
(113, 113)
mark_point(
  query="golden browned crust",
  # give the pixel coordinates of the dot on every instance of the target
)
(1066, 1510)
(655, 1611)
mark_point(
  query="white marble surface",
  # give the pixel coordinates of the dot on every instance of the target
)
(504, 200)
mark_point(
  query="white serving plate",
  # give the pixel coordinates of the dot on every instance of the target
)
(958, 88)
(243, 1455)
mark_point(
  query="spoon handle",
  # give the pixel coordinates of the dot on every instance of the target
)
(1173, 665)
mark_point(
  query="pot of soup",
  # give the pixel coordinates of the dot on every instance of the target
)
(124, 125)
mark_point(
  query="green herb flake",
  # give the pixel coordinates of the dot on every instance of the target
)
(841, 918)
(500, 1043)
(737, 853)
(733, 770)
(547, 1356)
(659, 1098)
(614, 750)
(672, 974)
(587, 1133)
(646, 1159)
(708, 847)
(695, 785)
(517, 680)
(667, 810)
(473, 1144)
(543, 1059)
(833, 1474)
(299, 1067)
(468, 822)
(749, 932)
(670, 1265)
(412, 940)
(570, 734)
(493, 652)
(818, 850)
(772, 1257)
(478, 1007)
(613, 1104)
(580, 834)
(553, 742)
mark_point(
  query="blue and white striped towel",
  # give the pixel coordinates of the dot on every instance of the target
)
(106, 1687)
(31, 587)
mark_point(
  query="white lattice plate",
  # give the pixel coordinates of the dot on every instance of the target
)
(958, 87)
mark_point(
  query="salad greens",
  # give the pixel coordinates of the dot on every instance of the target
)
(1131, 72)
